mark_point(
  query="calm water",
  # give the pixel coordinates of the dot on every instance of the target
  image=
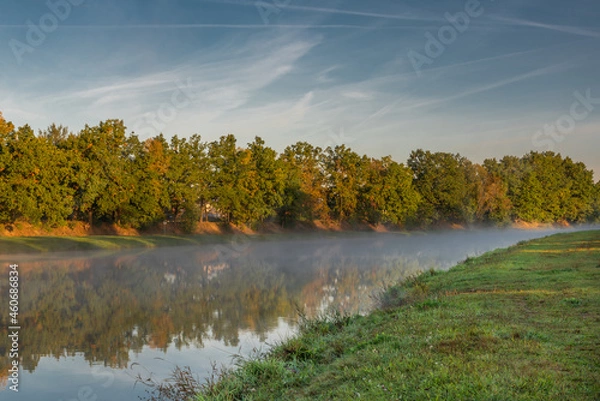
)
(91, 321)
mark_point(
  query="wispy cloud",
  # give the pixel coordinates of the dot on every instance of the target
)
(574, 30)
(129, 87)
(494, 85)
(383, 111)
(338, 11)
(219, 82)
(482, 60)
(226, 26)
(356, 95)
(324, 77)
(325, 10)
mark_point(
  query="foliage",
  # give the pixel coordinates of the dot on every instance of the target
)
(544, 187)
(345, 178)
(33, 179)
(595, 216)
(447, 184)
(304, 194)
(103, 175)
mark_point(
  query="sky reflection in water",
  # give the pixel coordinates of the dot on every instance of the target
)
(86, 317)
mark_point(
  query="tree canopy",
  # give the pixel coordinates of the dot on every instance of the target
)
(104, 175)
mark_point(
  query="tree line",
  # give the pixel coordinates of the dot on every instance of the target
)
(104, 175)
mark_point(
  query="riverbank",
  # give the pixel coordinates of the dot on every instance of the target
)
(27, 239)
(520, 323)
(81, 229)
(41, 244)
(16, 245)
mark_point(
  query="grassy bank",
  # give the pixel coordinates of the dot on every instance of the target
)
(515, 324)
(39, 244)
(14, 245)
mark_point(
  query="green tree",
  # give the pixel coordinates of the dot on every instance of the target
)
(6, 133)
(493, 204)
(345, 179)
(447, 186)
(581, 190)
(188, 180)
(595, 215)
(304, 195)
(229, 167)
(102, 179)
(6, 127)
(388, 195)
(265, 182)
(148, 165)
(544, 187)
(34, 175)
(56, 135)
(545, 180)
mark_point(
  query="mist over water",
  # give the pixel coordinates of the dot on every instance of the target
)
(86, 317)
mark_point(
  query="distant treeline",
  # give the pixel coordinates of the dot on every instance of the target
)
(101, 174)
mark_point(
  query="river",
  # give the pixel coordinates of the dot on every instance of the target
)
(92, 321)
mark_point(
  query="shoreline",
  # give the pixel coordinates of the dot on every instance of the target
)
(80, 229)
(515, 323)
(58, 240)
(11, 245)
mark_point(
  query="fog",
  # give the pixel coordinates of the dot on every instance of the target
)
(96, 319)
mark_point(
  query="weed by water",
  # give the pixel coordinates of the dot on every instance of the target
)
(412, 289)
(181, 385)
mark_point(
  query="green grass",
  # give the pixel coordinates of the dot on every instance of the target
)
(516, 324)
(15, 245)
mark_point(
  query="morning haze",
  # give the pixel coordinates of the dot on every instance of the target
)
(285, 199)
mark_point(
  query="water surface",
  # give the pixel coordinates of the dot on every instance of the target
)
(92, 321)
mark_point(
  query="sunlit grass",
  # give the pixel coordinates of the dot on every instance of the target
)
(514, 324)
(15, 245)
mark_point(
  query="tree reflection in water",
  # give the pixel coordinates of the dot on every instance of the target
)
(108, 306)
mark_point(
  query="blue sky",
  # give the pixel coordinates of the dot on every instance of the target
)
(509, 80)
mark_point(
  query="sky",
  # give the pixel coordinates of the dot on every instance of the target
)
(481, 78)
